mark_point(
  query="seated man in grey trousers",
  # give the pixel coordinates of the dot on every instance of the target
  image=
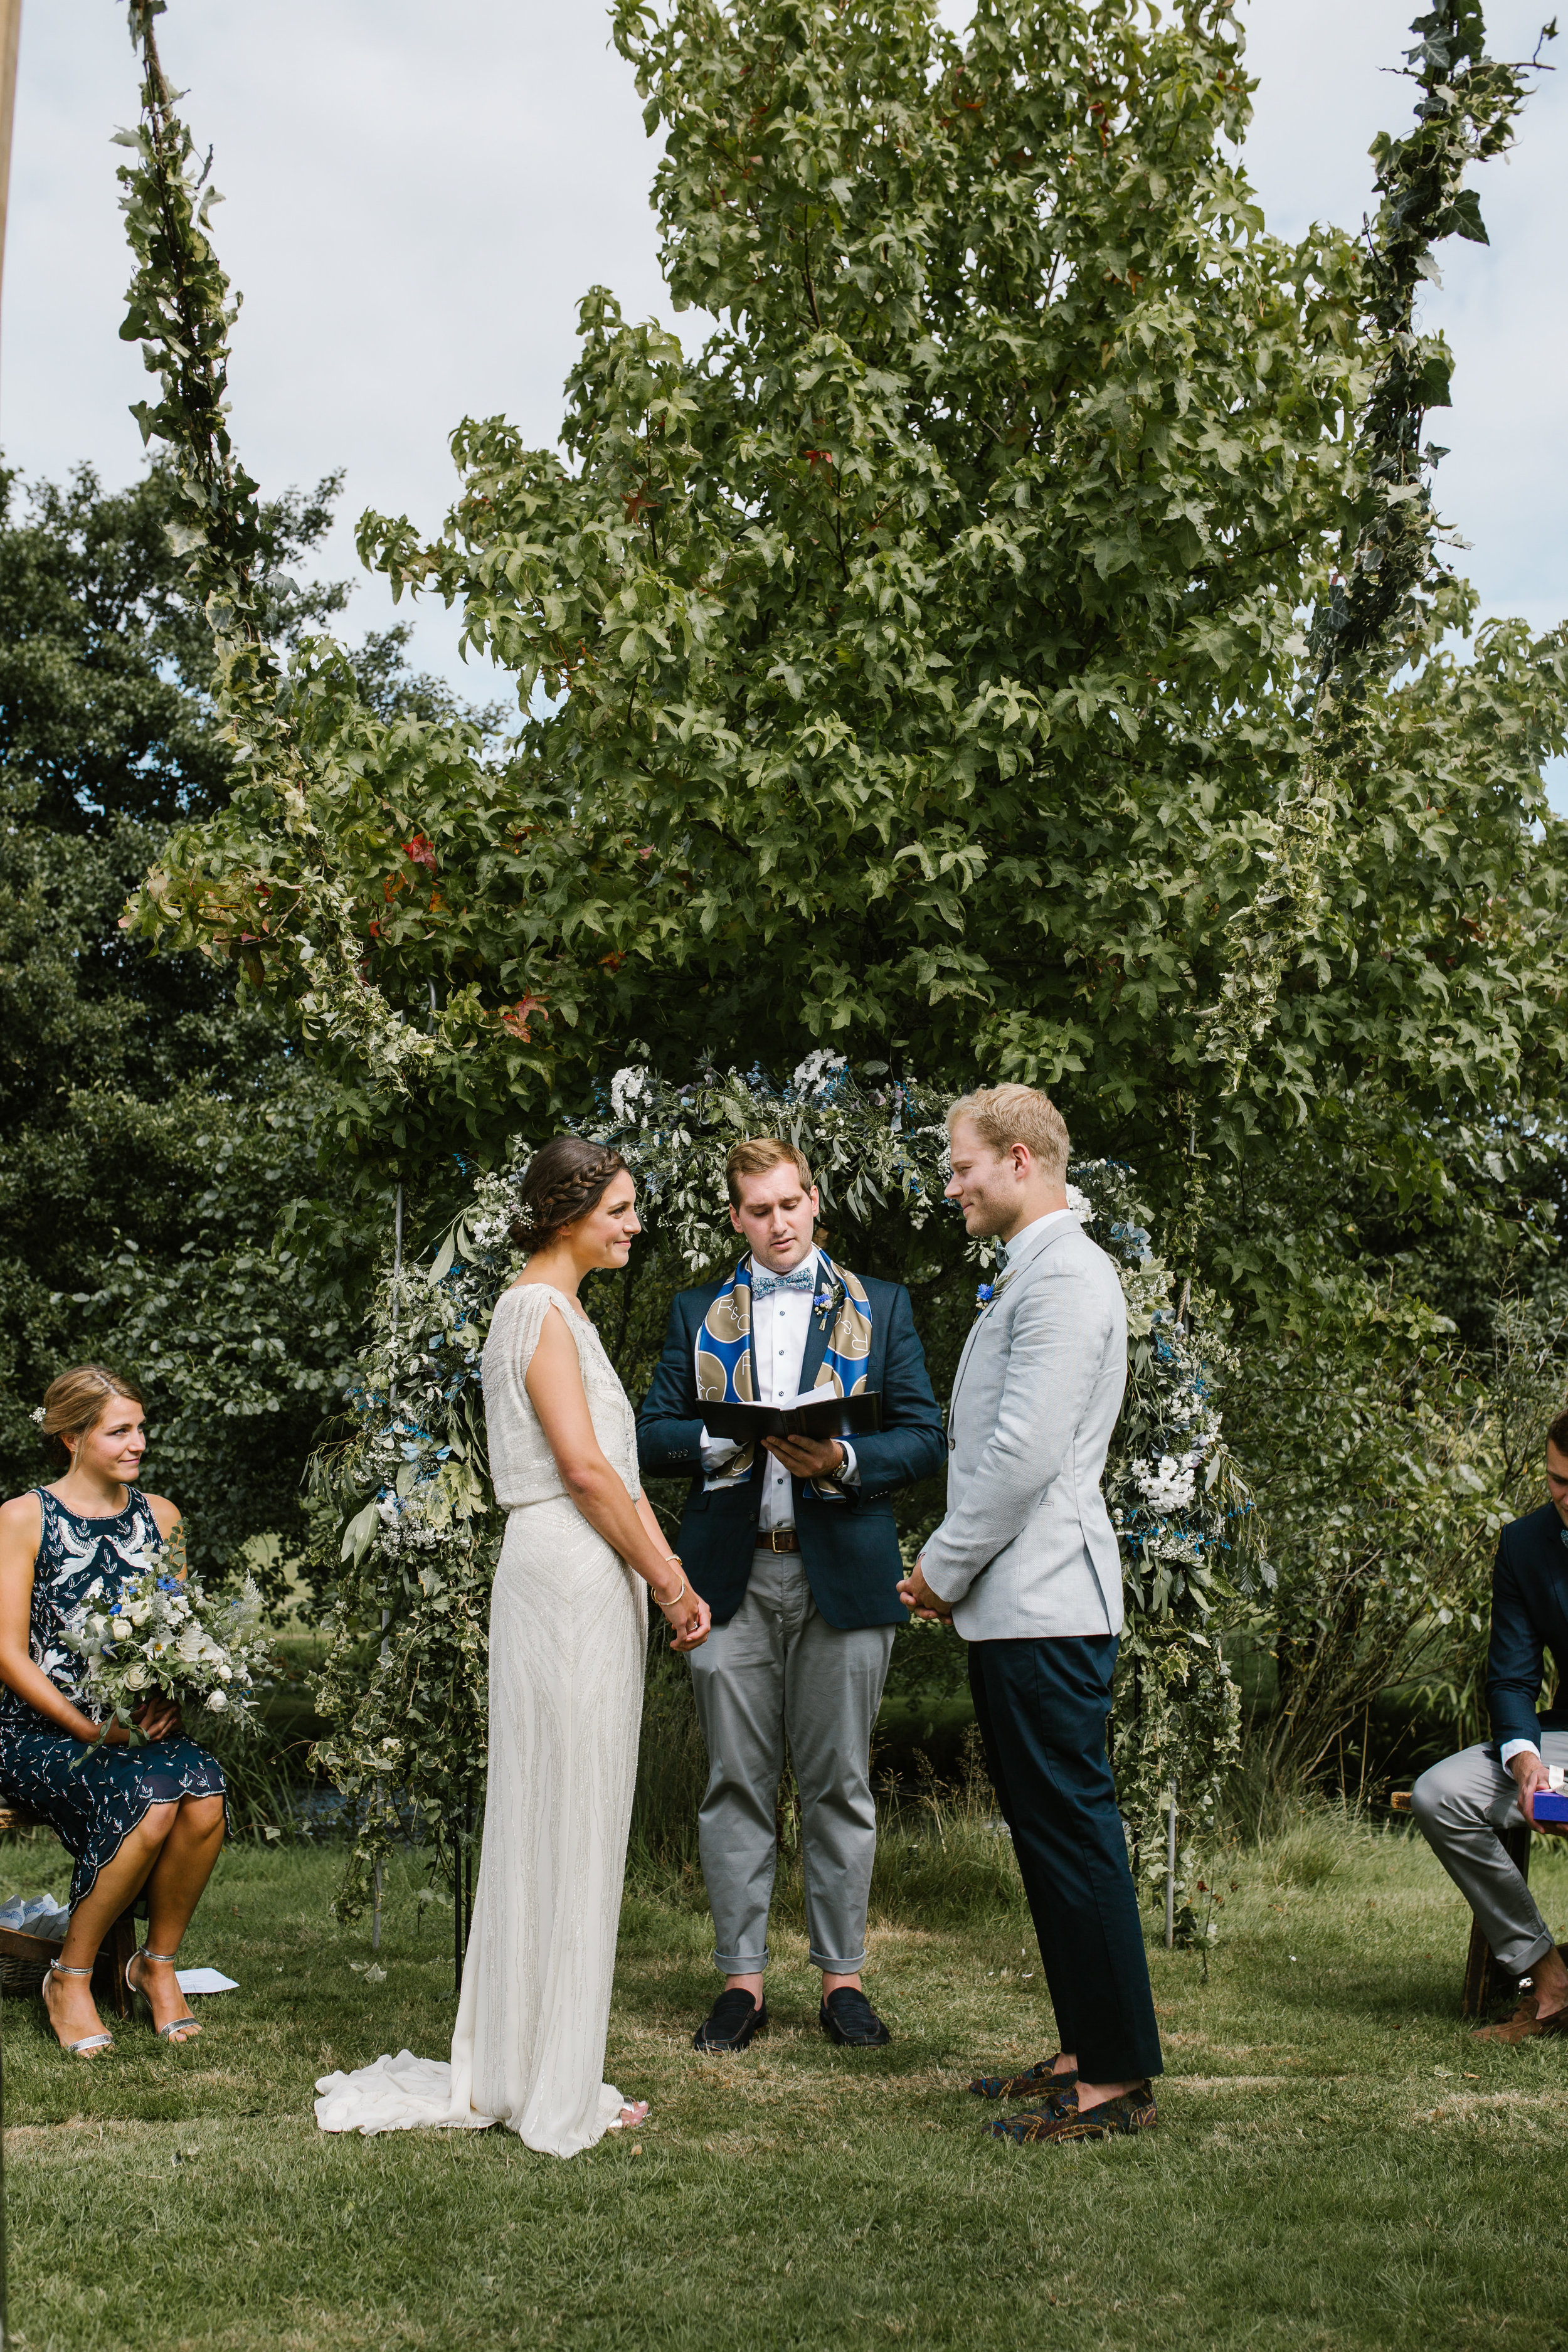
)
(794, 1547)
(1462, 1803)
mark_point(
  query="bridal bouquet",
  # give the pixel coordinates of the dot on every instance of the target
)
(160, 1632)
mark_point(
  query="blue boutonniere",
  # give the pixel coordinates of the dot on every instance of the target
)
(984, 1295)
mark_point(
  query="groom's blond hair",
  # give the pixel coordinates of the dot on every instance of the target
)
(1004, 1116)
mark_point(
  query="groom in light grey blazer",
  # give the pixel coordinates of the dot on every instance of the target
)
(1026, 1568)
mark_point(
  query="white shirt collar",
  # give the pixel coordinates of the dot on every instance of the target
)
(1034, 1231)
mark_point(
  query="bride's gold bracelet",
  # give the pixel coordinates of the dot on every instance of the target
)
(671, 1561)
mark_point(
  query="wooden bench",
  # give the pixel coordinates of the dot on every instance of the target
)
(1486, 1979)
(109, 1989)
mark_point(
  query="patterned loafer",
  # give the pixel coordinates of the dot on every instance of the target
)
(1058, 2119)
(731, 2022)
(848, 2016)
(1040, 2077)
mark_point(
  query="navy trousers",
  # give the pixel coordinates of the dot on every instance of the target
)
(1042, 1707)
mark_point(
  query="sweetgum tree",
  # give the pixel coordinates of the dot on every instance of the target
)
(925, 659)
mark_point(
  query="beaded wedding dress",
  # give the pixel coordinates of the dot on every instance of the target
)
(568, 1639)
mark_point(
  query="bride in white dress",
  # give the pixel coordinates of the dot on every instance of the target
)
(568, 1638)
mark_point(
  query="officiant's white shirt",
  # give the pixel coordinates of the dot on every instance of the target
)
(781, 1326)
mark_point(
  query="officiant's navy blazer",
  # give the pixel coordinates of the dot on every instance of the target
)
(849, 1550)
(1529, 1616)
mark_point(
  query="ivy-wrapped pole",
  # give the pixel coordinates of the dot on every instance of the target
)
(1466, 112)
(386, 1612)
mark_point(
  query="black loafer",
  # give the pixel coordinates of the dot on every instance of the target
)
(731, 2022)
(846, 2016)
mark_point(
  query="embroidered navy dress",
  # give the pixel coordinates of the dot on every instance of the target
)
(95, 1808)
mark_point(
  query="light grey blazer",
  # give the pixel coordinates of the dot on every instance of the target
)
(1027, 1549)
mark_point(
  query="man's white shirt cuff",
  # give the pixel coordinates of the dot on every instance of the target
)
(1512, 1748)
(717, 1451)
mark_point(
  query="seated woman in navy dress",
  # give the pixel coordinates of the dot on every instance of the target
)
(133, 1818)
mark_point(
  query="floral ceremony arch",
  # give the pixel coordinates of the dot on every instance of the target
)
(404, 1684)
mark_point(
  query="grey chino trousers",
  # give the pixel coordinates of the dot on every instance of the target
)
(1461, 1806)
(779, 1670)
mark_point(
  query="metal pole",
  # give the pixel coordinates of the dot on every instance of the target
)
(458, 1908)
(1171, 1869)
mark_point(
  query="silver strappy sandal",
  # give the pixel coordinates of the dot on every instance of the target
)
(187, 2026)
(89, 2042)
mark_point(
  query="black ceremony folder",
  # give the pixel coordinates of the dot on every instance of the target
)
(824, 1415)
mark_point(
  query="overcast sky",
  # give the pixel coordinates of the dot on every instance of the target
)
(418, 195)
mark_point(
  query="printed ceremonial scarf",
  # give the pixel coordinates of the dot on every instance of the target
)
(724, 1369)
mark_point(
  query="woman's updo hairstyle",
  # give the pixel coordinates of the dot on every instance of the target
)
(561, 1183)
(76, 1403)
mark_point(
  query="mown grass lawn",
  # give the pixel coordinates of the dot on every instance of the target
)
(1335, 2164)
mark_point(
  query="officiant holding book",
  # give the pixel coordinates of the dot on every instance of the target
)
(788, 1534)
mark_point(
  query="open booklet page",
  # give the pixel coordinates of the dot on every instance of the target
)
(818, 1413)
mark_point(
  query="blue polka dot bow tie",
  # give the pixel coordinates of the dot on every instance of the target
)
(801, 1277)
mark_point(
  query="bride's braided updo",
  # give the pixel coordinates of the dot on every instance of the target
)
(561, 1183)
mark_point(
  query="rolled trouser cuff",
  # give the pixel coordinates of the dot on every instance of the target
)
(1519, 1959)
(741, 1964)
(836, 1968)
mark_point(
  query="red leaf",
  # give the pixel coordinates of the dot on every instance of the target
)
(515, 1020)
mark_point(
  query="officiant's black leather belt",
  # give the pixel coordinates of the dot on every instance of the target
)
(777, 1540)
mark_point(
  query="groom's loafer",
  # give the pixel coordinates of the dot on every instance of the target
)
(731, 2022)
(846, 2016)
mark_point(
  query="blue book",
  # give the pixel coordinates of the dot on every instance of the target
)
(1551, 1807)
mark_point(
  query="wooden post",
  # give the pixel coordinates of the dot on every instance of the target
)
(10, 36)
(1170, 1868)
